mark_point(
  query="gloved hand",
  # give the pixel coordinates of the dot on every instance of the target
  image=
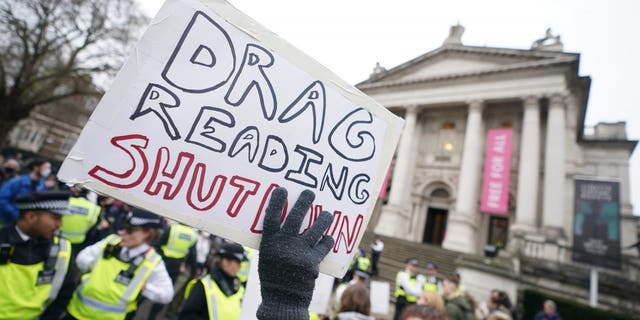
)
(288, 263)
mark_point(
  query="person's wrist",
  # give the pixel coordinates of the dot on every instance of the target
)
(276, 309)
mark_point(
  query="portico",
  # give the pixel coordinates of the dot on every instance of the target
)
(450, 97)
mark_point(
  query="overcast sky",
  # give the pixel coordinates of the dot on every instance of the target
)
(350, 36)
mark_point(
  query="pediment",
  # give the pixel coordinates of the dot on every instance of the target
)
(445, 62)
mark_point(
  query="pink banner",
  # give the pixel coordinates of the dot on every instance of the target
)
(385, 183)
(497, 168)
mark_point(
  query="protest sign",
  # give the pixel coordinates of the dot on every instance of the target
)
(379, 298)
(211, 112)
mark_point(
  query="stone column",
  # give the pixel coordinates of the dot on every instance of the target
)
(554, 169)
(529, 168)
(395, 215)
(461, 225)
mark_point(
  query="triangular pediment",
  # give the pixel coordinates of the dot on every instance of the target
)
(464, 60)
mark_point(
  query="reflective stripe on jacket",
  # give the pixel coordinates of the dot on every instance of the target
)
(400, 291)
(180, 239)
(219, 306)
(21, 297)
(103, 291)
(84, 215)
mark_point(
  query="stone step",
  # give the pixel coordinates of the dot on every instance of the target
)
(396, 251)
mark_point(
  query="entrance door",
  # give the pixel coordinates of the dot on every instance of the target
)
(436, 226)
(498, 231)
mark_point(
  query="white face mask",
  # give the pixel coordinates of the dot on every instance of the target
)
(45, 172)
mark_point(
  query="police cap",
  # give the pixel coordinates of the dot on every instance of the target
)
(232, 250)
(142, 218)
(49, 200)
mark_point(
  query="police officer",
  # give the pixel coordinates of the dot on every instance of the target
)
(176, 246)
(363, 263)
(84, 217)
(81, 228)
(119, 269)
(33, 260)
(245, 266)
(432, 283)
(218, 295)
(408, 286)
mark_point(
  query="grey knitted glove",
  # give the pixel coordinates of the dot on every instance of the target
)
(288, 263)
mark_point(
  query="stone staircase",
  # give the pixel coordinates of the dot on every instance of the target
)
(397, 250)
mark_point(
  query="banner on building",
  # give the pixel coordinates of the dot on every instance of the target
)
(596, 226)
(211, 112)
(497, 170)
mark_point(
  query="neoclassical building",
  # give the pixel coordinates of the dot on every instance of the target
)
(450, 98)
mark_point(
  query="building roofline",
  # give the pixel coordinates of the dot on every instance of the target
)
(545, 58)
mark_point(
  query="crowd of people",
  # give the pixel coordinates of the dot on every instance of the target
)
(66, 253)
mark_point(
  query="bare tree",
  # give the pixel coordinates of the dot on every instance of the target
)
(52, 50)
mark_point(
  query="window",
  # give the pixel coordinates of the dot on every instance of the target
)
(449, 125)
(67, 144)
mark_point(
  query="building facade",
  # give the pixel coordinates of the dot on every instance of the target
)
(450, 98)
(51, 130)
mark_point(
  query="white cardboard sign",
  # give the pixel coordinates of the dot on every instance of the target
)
(211, 112)
(252, 296)
(379, 296)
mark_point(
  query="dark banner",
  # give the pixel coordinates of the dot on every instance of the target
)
(596, 227)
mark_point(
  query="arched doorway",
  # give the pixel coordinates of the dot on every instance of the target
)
(437, 212)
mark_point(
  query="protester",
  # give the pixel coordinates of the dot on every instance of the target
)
(217, 295)
(422, 312)
(33, 260)
(502, 299)
(548, 311)
(461, 288)
(432, 282)
(51, 182)
(119, 269)
(376, 250)
(20, 185)
(409, 286)
(288, 262)
(355, 304)
(456, 306)
(359, 278)
(432, 299)
(495, 309)
(9, 170)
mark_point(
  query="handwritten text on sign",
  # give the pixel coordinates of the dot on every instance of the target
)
(204, 121)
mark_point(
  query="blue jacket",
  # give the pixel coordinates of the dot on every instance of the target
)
(542, 316)
(10, 190)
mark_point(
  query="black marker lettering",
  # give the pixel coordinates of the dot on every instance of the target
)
(302, 175)
(203, 128)
(249, 139)
(157, 99)
(252, 75)
(351, 144)
(200, 64)
(274, 155)
(314, 98)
